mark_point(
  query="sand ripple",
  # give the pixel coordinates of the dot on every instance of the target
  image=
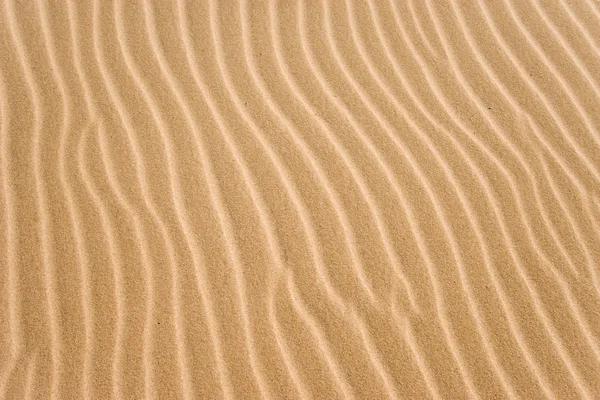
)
(266, 199)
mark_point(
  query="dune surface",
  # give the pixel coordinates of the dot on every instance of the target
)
(351, 199)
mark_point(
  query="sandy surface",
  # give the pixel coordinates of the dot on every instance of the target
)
(300, 199)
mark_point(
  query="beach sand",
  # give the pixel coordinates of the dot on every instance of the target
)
(300, 199)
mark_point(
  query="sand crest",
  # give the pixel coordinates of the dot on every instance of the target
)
(299, 199)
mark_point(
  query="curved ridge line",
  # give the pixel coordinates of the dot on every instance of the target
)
(273, 245)
(439, 210)
(87, 305)
(573, 305)
(503, 44)
(551, 110)
(594, 9)
(487, 69)
(548, 325)
(109, 233)
(513, 103)
(511, 146)
(303, 214)
(429, 263)
(413, 218)
(141, 177)
(405, 327)
(489, 153)
(535, 296)
(532, 123)
(30, 377)
(579, 238)
(594, 202)
(409, 337)
(288, 183)
(472, 218)
(563, 43)
(145, 258)
(296, 91)
(322, 342)
(285, 351)
(464, 282)
(586, 198)
(580, 26)
(572, 177)
(267, 150)
(12, 281)
(332, 194)
(375, 359)
(567, 213)
(365, 191)
(47, 258)
(373, 354)
(140, 168)
(420, 29)
(92, 110)
(232, 250)
(274, 37)
(551, 227)
(307, 153)
(175, 189)
(474, 309)
(77, 60)
(485, 66)
(562, 283)
(542, 54)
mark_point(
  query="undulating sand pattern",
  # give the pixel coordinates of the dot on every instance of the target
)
(351, 199)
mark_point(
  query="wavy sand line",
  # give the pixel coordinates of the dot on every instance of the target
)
(307, 200)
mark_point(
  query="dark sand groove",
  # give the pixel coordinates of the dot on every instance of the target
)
(315, 200)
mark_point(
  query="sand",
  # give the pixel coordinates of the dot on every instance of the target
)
(300, 199)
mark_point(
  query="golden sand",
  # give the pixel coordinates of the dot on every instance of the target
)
(300, 199)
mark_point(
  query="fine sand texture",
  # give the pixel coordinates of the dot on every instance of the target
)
(300, 199)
